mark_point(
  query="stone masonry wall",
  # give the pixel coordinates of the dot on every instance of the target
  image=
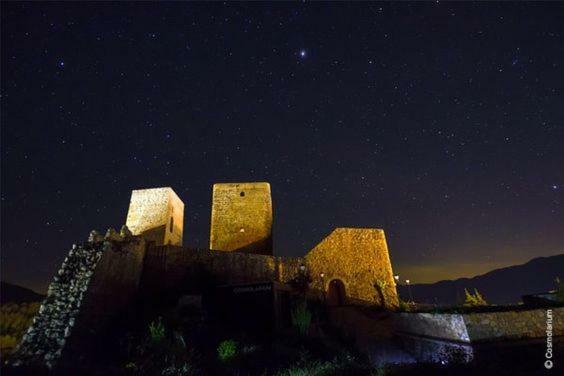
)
(96, 280)
(483, 326)
(114, 284)
(43, 343)
(358, 258)
(444, 326)
(169, 268)
(513, 324)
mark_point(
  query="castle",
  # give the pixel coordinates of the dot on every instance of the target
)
(99, 278)
(346, 264)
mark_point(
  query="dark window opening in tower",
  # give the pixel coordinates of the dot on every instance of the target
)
(171, 223)
(242, 194)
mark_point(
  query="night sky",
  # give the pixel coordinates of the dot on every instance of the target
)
(441, 123)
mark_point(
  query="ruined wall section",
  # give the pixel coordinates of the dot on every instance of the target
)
(44, 341)
(157, 214)
(241, 218)
(360, 259)
(96, 280)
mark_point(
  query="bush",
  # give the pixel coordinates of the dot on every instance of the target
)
(344, 364)
(315, 368)
(153, 353)
(157, 330)
(380, 370)
(406, 306)
(559, 290)
(301, 317)
(8, 342)
(475, 300)
(14, 320)
(227, 350)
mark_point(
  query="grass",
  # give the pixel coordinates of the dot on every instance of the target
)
(14, 320)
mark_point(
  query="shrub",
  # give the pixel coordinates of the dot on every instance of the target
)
(153, 353)
(474, 300)
(227, 350)
(301, 317)
(15, 318)
(404, 306)
(301, 282)
(380, 370)
(315, 368)
(157, 330)
(559, 290)
(343, 364)
(184, 369)
(8, 342)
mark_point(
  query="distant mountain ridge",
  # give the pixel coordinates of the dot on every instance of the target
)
(10, 293)
(499, 286)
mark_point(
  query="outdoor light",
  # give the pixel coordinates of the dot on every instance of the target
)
(409, 289)
(396, 277)
(302, 268)
(322, 274)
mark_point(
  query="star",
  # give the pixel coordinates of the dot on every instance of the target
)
(303, 54)
(554, 186)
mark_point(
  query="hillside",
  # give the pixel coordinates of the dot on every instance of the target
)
(10, 293)
(500, 286)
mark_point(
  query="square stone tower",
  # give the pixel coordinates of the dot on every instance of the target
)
(157, 214)
(241, 218)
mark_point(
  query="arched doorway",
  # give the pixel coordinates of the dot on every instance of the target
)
(336, 295)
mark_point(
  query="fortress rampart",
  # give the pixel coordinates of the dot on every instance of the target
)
(100, 278)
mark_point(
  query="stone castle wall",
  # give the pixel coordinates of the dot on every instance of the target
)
(95, 282)
(532, 323)
(241, 218)
(45, 340)
(170, 268)
(482, 326)
(357, 257)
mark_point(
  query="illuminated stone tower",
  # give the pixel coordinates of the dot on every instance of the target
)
(241, 218)
(157, 214)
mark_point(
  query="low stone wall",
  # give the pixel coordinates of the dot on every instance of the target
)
(513, 324)
(449, 327)
(482, 327)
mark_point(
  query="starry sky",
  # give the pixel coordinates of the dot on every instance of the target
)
(442, 123)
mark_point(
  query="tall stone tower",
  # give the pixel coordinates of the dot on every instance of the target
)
(241, 218)
(157, 214)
